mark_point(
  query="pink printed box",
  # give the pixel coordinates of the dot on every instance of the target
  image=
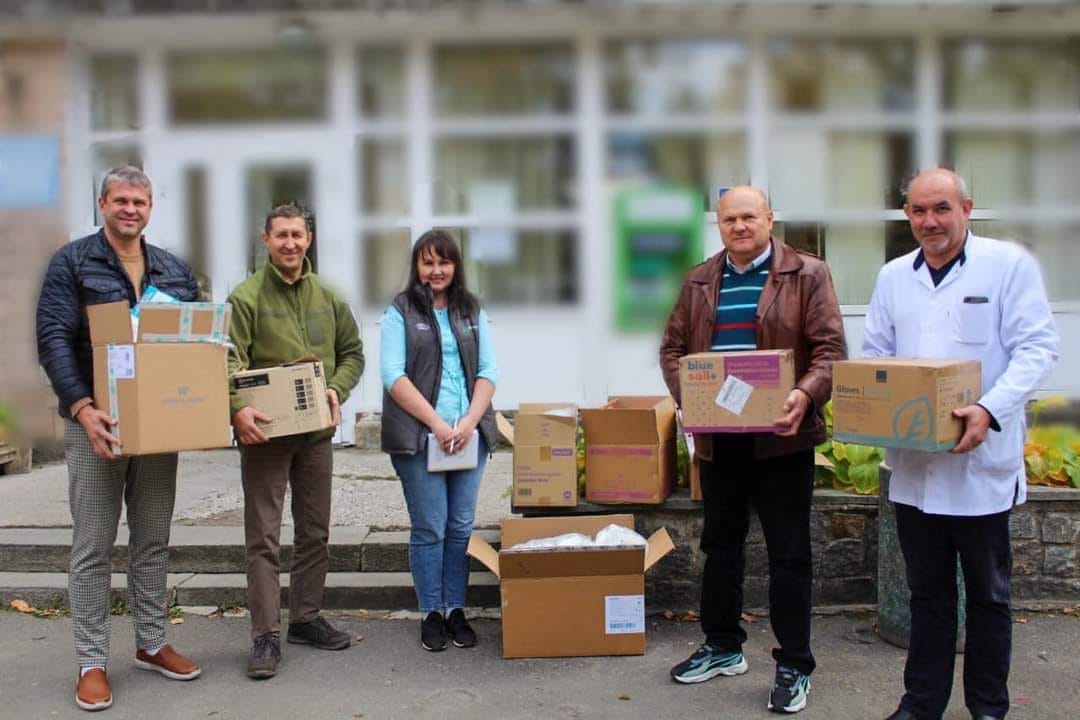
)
(630, 450)
(735, 392)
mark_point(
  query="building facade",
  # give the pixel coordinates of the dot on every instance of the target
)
(517, 124)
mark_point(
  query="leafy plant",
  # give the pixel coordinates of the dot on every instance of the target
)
(847, 466)
(580, 461)
(1052, 451)
(9, 424)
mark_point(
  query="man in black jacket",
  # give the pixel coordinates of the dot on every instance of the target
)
(116, 263)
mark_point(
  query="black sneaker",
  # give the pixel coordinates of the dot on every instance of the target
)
(318, 633)
(264, 657)
(789, 690)
(462, 635)
(433, 632)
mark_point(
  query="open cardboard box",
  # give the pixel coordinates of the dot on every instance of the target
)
(630, 450)
(544, 436)
(571, 602)
(168, 386)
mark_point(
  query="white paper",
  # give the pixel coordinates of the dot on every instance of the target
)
(122, 361)
(733, 394)
(624, 614)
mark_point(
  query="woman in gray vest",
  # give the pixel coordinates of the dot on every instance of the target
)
(438, 372)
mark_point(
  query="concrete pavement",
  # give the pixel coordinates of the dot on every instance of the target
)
(366, 492)
(388, 676)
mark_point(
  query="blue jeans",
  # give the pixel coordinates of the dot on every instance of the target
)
(441, 509)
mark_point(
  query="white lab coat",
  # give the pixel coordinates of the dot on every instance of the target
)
(1012, 334)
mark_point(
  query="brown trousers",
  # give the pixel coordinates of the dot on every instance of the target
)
(267, 469)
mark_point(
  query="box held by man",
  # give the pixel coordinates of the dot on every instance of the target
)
(167, 387)
(735, 392)
(292, 395)
(903, 402)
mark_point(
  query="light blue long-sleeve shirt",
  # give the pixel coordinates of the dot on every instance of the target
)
(453, 400)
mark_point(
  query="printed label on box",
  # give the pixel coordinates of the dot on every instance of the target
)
(122, 362)
(761, 371)
(733, 394)
(624, 614)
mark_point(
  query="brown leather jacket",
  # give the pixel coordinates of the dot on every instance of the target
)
(797, 309)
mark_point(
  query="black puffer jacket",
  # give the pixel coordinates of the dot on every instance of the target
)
(87, 272)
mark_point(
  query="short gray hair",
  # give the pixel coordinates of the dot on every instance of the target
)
(957, 179)
(128, 175)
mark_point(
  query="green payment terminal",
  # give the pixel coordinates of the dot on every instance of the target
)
(659, 236)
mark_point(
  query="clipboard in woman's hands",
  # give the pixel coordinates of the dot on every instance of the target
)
(440, 461)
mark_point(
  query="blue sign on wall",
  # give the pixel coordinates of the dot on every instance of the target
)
(29, 171)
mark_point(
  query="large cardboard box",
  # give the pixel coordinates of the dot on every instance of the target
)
(293, 395)
(735, 392)
(571, 602)
(544, 436)
(630, 450)
(903, 402)
(167, 387)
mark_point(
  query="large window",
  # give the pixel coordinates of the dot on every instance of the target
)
(252, 86)
(504, 80)
(506, 167)
(489, 139)
(676, 113)
(1012, 75)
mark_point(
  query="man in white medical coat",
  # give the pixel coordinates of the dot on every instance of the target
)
(966, 297)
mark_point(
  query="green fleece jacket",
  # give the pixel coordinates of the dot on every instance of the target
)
(274, 323)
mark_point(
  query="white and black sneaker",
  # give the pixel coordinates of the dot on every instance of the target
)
(461, 633)
(789, 690)
(433, 634)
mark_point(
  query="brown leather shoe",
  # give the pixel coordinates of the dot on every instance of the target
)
(169, 663)
(92, 691)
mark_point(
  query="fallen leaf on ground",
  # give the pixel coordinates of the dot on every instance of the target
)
(748, 618)
(359, 638)
(624, 697)
(669, 615)
(22, 606)
(1021, 620)
(176, 621)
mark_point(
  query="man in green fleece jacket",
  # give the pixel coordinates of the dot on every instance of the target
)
(280, 314)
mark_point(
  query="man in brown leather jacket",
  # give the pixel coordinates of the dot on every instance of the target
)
(758, 294)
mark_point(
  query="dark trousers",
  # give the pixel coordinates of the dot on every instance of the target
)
(930, 544)
(780, 489)
(266, 470)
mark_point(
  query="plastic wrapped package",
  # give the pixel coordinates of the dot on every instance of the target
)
(619, 536)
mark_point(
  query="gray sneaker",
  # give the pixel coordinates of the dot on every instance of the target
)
(264, 658)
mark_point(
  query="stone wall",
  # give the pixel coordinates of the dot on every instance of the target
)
(844, 533)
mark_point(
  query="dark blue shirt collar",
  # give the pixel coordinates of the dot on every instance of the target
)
(961, 258)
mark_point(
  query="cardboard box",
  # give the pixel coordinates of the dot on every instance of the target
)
(695, 480)
(544, 436)
(903, 402)
(630, 450)
(168, 387)
(571, 602)
(735, 392)
(293, 395)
